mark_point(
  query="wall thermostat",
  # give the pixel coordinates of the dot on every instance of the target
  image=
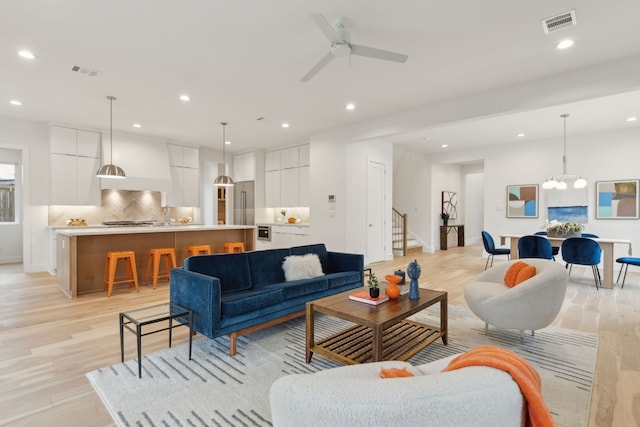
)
(332, 198)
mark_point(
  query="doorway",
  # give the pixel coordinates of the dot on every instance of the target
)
(375, 211)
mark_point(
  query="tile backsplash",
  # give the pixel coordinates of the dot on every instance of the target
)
(119, 205)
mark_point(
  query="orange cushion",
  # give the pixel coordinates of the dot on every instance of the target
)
(526, 273)
(512, 273)
(394, 373)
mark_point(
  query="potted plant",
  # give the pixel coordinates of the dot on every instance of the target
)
(445, 218)
(564, 229)
(283, 212)
(372, 281)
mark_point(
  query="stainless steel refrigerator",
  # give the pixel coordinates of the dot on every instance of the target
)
(243, 203)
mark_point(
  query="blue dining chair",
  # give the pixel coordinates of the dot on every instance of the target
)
(491, 249)
(582, 251)
(626, 261)
(590, 236)
(533, 246)
(554, 249)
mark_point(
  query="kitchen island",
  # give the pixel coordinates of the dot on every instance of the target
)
(81, 252)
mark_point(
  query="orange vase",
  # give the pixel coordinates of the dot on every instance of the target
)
(393, 290)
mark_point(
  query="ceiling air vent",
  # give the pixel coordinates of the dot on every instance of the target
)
(84, 70)
(558, 22)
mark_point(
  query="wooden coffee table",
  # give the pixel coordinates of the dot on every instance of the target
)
(381, 332)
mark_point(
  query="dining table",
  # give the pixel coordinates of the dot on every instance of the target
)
(607, 246)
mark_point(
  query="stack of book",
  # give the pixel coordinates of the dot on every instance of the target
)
(363, 296)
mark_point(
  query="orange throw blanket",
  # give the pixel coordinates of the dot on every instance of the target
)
(522, 373)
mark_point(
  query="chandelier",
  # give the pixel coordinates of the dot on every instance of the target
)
(559, 182)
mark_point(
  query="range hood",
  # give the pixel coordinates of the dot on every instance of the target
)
(145, 160)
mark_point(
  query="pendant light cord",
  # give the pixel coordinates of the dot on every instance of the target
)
(224, 142)
(564, 139)
(111, 98)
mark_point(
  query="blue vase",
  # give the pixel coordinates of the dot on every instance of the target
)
(413, 271)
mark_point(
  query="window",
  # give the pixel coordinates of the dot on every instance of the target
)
(7, 192)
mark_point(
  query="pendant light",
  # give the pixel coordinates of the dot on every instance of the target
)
(559, 182)
(110, 170)
(223, 180)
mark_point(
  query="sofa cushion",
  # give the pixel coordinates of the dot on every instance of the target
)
(512, 273)
(298, 288)
(338, 279)
(318, 249)
(297, 267)
(231, 269)
(526, 273)
(266, 266)
(237, 303)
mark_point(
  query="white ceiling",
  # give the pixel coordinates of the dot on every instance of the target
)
(243, 59)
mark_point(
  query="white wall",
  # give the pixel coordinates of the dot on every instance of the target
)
(11, 233)
(32, 139)
(474, 207)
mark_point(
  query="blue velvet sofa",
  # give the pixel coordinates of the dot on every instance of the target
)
(240, 293)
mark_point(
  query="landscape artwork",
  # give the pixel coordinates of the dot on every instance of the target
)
(617, 199)
(568, 205)
(522, 201)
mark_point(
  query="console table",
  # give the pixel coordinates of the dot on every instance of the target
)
(444, 232)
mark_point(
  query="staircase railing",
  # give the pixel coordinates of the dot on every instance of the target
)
(399, 231)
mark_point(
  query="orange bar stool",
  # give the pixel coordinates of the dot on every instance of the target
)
(198, 250)
(231, 247)
(111, 265)
(155, 254)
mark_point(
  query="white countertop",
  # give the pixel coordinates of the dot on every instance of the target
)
(284, 224)
(103, 230)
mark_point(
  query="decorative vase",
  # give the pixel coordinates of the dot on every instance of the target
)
(414, 270)
(401, 274)
(445, 222)
(374, 292)
(392, 290)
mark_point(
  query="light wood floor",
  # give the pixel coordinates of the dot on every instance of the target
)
(48, 342)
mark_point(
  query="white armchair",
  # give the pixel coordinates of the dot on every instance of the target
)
(531, 305)
(355, 395)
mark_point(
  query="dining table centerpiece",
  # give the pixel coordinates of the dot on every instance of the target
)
(563, 229)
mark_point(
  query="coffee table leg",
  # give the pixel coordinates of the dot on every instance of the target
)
(190, 332)
(310, 337)
(376, 344)
(170, 330)
(121, 338)
(444, 306)
(139, 339)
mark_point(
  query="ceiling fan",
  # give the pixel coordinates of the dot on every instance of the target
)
(341, 45)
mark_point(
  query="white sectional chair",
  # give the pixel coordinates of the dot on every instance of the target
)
(353, 396)
(531, 305)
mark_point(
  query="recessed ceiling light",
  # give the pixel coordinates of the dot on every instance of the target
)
(444, 145)
(27, 54)
(137, 125)
(227, 142)
(350, 106)
(520, 135)
(15, 102)
(285, 125)
(184, 98)
(565, 44)
(632, 119)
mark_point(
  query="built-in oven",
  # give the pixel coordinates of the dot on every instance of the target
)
(264, 232)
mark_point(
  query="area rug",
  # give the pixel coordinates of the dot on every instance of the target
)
(216, 389)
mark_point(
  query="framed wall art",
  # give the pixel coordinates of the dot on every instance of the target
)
(450, 204)
(617, 199)
(522, 201)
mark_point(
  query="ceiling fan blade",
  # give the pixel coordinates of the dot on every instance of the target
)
(371, 52)
(327, 29)
(316, 68)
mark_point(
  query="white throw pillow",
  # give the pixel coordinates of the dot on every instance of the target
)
(298, 267)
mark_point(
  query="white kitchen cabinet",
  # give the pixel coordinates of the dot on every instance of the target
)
(303, 190)
(185, 176)
(75, 158)
(272, 189)
(303, 154)
(272, 161)
(289, 187)
(285, 236)
(244, 167)
(289, 158)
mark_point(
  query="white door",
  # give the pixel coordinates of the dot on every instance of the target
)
(375, 211)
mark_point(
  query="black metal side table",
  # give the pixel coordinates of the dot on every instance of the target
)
(134, 320)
